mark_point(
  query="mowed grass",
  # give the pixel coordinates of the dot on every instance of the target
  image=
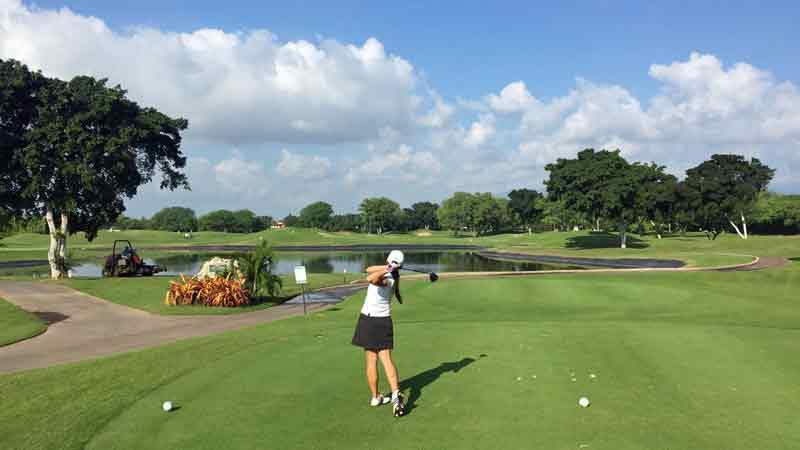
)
(693, 248)
(17, 324)
(147, 293)
(681, 361)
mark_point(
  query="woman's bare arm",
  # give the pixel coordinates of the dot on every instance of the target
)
(372, 269)
(377, 277)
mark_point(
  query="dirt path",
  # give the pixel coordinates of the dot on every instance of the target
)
(84, 327)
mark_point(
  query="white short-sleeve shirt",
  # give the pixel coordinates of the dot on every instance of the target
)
(378, 302)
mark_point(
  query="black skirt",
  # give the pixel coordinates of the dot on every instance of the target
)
(374, 333)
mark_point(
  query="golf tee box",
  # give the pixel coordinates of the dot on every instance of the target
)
(300, 276)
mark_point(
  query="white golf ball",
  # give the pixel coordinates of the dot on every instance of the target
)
(584, 402)
(167, 406)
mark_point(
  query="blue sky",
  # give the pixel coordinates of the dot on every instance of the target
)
(592, 74)
(468, 48)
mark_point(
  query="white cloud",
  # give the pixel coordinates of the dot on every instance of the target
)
(239, 176)
(233, 87)
(439, 115)
(302, 166)
(401, 164)
(481, 131)
(513, 98)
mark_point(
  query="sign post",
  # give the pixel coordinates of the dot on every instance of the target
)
(301, 278)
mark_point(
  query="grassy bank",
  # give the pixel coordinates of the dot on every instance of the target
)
(148, 293)
(680, 360)
(16, 324)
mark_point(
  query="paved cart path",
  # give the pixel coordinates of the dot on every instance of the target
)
(84, 327)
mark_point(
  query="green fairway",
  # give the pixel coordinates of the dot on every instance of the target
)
(16, 324)
(681, 360)
(148, 293)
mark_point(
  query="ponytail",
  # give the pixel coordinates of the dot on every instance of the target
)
(396, 278)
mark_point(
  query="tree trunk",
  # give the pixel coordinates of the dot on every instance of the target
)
(744, 227)
(530, 230)
(62, 253)
(657, 228)
(597, 224)
(733, 224)
(56, 254)
(623, 235)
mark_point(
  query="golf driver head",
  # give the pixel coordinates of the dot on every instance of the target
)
(433, 277)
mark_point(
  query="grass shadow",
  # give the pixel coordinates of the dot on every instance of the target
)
(50, 317)
(602, 239)
(418, 382)
(797, 259)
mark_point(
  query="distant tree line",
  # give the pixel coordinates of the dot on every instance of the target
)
(180, 219)
(597, 190)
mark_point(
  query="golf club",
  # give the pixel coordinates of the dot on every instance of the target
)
(431, 275)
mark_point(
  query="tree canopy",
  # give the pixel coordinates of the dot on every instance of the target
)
(599, 184)
(479, 213)
(316, 215)
(223, 220)
(19, 90)
(525, 203)
(380, 214)
(724, 189)
(175, 218)
(422, 215)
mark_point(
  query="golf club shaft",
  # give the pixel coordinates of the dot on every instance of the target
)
(414, 270)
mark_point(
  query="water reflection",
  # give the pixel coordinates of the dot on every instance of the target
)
(338, 262)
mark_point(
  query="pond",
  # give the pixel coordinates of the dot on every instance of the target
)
(338, 262)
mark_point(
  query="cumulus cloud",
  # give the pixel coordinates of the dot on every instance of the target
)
(439, 115)
(513, 98)
(233, 87)
(481, 131)
(401, 164)
(302, 166)
(241, 176)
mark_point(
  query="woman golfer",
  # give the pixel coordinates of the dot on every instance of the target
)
(374, 331)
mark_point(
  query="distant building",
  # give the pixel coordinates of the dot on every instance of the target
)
(277, 224)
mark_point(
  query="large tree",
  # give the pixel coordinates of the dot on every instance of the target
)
(346, 222)
(725, 189)
(599, 184)
(221, 220)
(380, 214)
(245, 221)
(556, 214)
(527, 205)
(656, 197)
(316, 215)
(175, 218)
(422, 215)
(456, 212)
(479, 213)
(87, 149)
